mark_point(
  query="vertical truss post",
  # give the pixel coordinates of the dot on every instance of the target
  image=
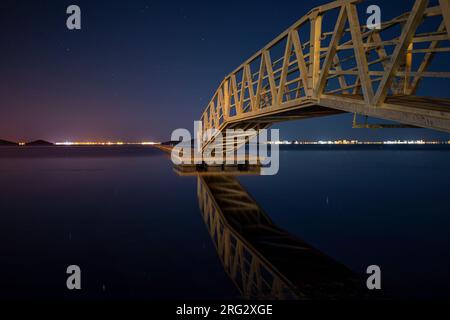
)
(408, 67)
(226, 99)
(314, 52)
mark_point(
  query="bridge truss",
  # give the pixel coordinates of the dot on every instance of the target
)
(309, 71)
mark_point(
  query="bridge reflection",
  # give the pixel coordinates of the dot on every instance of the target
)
(264, 261)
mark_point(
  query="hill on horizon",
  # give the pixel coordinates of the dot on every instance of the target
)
(39, 143)
(7, 143)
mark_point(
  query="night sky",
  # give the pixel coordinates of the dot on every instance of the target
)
(139, 69)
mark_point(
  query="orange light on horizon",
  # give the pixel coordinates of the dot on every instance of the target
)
(102, 143)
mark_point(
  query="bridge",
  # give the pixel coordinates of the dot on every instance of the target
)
(309, 71)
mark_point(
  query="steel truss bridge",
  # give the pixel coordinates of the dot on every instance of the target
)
(308, 71)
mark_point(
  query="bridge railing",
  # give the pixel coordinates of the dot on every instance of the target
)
(307, 62)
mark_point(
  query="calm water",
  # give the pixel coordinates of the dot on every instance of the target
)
(136, 230)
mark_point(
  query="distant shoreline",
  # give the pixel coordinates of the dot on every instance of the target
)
(35, 143)
(282, 147)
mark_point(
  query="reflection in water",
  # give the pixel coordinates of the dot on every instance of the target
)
(264, 261)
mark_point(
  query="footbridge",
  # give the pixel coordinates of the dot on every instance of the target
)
(330, 62)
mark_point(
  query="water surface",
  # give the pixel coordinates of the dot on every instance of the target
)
(136, 230)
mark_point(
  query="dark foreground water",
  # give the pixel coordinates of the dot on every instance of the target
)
(136, 230)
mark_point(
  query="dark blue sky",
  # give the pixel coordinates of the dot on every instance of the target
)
(139, 69)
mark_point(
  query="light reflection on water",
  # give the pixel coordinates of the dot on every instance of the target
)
(136, 230)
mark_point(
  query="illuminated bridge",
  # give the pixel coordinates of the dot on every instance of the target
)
(309, 71)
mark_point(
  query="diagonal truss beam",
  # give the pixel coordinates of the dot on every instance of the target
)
(413, 22)
(360, 54)
(332, 50)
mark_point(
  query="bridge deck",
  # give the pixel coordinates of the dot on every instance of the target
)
(425, 103)
(424, 112)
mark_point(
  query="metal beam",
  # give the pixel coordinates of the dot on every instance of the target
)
(445, 7)
(414, 20)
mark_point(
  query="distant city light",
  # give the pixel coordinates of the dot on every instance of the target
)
(357, 142)
(283, 142)
(103, 143)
